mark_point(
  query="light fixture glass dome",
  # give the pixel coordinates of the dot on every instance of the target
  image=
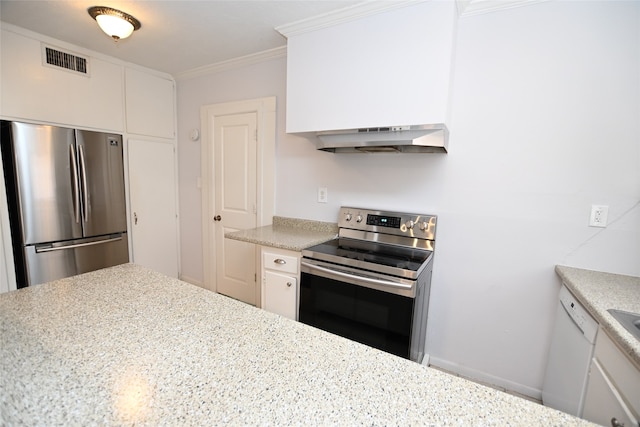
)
(114, 26)
(115, 23)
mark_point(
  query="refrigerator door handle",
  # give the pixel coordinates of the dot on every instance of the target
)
(60, 247)
(76, 192)
(85, 190)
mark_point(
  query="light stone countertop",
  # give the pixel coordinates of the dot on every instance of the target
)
(288, 233)
(126, 345)
(599, 292)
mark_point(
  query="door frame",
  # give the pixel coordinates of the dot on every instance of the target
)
(265, 109)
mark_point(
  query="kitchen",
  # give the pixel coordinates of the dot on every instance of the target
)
(542, 127)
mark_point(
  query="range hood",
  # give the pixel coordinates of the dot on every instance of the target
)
(403, 139)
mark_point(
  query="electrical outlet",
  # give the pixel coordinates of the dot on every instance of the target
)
(322, 195)
(598, 216)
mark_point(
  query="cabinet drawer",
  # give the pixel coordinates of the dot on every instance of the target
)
(279, 262)
(603, 402)
(624, 375)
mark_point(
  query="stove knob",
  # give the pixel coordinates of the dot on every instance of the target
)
(359, 218)
(347, 217)
(424, 225)
(410, 224)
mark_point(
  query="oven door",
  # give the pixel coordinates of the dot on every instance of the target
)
(354, 305)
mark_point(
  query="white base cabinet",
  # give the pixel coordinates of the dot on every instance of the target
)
(613, 392)
(280, 274)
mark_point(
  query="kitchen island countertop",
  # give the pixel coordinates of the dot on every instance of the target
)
(598, 292)
(126, 345)
(288, 233)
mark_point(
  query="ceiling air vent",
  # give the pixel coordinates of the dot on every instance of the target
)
(56, 58)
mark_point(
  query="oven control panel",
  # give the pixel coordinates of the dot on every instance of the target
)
(403, 224)
(383, 221)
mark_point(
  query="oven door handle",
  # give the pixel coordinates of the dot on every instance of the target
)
(363, 278)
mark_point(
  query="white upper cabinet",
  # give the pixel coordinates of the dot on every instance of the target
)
(36, 91)
(387, 68)
(149, 104)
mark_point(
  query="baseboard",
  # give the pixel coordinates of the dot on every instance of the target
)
(486, 379)
(192, 281)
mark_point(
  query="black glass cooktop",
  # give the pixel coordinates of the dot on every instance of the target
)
(401, 257)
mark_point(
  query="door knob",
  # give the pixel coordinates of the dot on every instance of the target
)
(217, 218)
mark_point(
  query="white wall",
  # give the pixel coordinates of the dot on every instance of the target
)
(545, 122)
(254, 81)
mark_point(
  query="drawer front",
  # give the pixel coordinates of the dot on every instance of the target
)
(624, 375)
(603, 402)
(279, 262)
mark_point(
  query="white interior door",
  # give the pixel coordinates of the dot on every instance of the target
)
(235, 141)
(154, 221)
(238, 189)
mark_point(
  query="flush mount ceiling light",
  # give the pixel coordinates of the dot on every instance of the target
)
(117, 24)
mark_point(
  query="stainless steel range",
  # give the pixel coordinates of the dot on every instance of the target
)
(372, 283)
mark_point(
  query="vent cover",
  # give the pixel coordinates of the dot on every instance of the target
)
(53, 57)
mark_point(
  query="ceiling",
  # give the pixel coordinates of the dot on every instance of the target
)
(176, 35)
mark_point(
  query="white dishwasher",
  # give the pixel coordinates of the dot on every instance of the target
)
(572, 344)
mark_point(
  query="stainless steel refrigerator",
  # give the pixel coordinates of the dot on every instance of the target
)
(65, 191)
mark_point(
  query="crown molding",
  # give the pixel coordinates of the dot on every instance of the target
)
(479, 7)
(243, 61)
(339, 16)
(350, 13)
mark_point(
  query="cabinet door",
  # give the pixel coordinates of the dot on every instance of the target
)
(154, 221)
(53, 94)
(149, 104)
(603, 401)
(280, 294)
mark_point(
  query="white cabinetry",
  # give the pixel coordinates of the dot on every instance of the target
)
(378, 69)
(280, 277)
(150, 117)
(154, 222)
(32, 91)
(110, 95)
(149, 104)
(613, 391)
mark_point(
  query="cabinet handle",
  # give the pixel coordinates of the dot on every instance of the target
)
(217, 218)
(280, 261)
(289, 285)
(616, 423)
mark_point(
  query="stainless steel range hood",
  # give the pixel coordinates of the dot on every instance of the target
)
(404, 139)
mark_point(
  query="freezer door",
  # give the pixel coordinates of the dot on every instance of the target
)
(47, 192)
(102, 182)
(49, 262)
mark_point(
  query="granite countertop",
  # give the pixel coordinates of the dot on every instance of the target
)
(599, 292)
(288, 233)
(126, 345)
